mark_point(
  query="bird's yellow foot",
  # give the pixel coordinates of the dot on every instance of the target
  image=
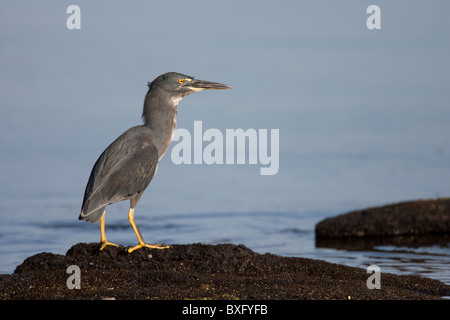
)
(107, 243)
(146, 245)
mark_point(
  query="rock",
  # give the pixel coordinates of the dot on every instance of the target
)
(413, 218)
(199, 271)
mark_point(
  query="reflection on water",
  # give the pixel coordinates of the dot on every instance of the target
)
(427, 256)
(287, 234)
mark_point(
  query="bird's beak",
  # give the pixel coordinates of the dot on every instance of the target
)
(199, 85)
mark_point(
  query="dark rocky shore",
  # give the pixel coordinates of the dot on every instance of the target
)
(229, 272)
(198, 271)
(412, 223)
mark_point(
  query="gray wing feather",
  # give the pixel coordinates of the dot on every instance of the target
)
(123, 170)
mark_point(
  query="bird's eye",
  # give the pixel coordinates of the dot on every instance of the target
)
(180, 81)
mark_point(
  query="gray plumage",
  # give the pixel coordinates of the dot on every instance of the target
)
(126, 167)
(123, 171)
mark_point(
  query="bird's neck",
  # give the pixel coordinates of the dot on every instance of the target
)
(160, 115)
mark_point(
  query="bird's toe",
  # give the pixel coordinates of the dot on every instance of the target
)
(107, 243)
(150, 246)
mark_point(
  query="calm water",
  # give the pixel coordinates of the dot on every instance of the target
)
(289, 234)
(363, 118)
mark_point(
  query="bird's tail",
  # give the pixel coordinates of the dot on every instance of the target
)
(92, 216)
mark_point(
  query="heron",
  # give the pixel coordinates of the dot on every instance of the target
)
(126, 167)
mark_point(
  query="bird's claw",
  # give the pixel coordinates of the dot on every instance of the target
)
(107, 243)
(146, 245)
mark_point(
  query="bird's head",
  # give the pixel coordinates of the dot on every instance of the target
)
(180, 85)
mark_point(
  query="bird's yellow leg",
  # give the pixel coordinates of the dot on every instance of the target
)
(103, 240)
(142, 243)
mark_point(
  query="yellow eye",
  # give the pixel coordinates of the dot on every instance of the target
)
(180, 81)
